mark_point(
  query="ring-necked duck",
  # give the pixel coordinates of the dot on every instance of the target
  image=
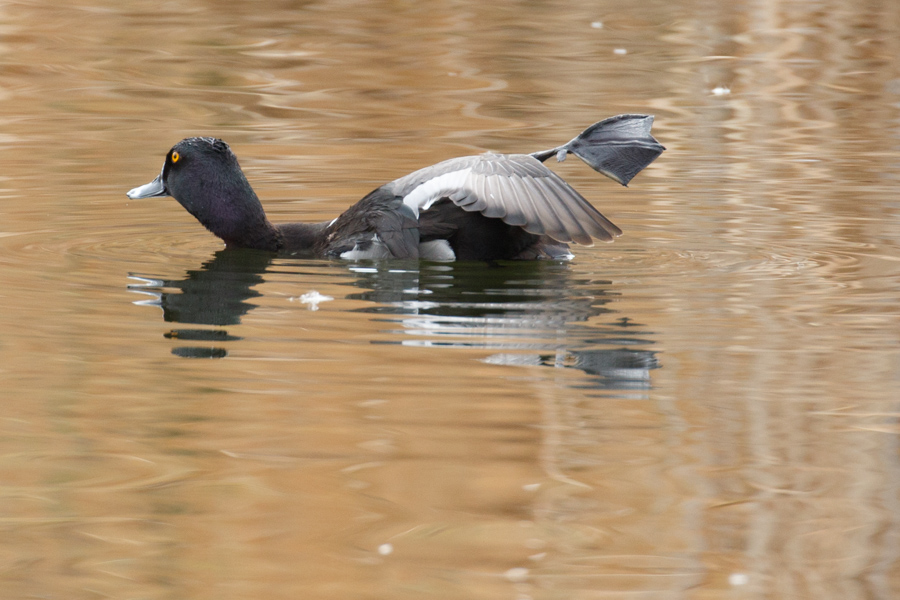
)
(487, 207)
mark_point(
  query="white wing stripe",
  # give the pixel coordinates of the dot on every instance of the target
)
(426, 194)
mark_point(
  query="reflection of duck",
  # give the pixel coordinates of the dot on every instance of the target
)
(214, 294)
(532, 313)
(488, 207)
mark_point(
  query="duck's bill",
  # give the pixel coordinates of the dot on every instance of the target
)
(149, 190)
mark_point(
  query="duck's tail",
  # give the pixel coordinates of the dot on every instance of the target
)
(619, 147)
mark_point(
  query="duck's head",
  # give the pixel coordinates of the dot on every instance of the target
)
(204, 176)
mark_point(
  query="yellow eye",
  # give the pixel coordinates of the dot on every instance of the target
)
(175, 157)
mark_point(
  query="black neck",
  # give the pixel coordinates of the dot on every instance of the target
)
(262, 236)
(302, 238)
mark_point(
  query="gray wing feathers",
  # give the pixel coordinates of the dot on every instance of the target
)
(570, 214)
(525, 203)
(516, 188)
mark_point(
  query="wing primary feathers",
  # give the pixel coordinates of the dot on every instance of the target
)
(572, 230)
(554, 216)
(527, 209)
(604, 228)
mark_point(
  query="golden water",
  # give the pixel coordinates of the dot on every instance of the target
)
(707, 408)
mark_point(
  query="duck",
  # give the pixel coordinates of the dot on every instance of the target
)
(487, 207)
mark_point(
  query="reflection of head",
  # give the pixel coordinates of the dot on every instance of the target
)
(217, 292)
(214, 294)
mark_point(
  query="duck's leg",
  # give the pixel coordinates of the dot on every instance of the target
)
(619, 147)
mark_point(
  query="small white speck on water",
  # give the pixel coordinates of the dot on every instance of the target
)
(517, 574)
(312, 299)
(620, 51)
(385, 549)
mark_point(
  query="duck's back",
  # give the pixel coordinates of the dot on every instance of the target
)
(487, 207)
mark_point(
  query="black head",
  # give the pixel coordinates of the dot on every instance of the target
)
(204, 176)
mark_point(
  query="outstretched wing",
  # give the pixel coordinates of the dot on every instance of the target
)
(516, 188)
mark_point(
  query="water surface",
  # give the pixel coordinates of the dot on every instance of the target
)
(706, 408)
